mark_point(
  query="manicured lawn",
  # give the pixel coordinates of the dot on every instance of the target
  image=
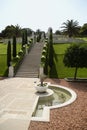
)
(59, 70)
(60, 48)
(84, 38)
(3, 66)
(3, 48)
(3, 58)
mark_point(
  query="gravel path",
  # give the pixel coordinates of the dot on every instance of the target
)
(71, 117)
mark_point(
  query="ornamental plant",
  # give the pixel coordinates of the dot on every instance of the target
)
(76, 57)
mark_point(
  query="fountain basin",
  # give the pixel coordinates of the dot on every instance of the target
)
(46, 94)
(60, 97)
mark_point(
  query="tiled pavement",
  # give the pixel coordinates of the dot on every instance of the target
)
(17, 101)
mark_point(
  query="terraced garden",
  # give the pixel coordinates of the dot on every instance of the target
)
(58, 70)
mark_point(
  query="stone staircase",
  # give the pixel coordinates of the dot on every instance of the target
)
(31, 63)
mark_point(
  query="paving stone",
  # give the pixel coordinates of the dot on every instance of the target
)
(17, 102)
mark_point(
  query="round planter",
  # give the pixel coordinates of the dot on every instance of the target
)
(41, 89)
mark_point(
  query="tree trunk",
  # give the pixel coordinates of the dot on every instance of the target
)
(75, 73)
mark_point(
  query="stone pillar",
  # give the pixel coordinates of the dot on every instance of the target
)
(42, 37)
(49, 30)
(11, 71)
(26, 49)
(33, 37)
(41, 71)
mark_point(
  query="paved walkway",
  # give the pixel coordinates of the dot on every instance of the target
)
(17, 101)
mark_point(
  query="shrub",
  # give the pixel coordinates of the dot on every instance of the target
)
(46, 41)
(20, 52)
(44, 52)
(43, 59)
(45, 47)
(17, 57)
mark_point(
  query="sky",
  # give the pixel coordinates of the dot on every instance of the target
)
(41, 14)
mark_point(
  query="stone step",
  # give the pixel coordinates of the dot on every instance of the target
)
(28, 76)
(30, 65)
(28, 73)
(22, 74)
(28, 70)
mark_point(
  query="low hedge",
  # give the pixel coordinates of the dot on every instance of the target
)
(18, 60)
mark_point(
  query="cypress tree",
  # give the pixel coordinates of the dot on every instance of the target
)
(23, 39)
(50, 48)
(25, 36)
(8, 53)
(14, 46)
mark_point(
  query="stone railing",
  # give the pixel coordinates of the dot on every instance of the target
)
(64, 39)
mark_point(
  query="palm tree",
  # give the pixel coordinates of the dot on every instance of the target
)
(71, 28)
(17, 30)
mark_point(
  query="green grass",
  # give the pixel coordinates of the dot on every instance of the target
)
(3, 48)
(59, 70)
(60, 48)
(3, 66)
(84, 38)
(3, 58)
